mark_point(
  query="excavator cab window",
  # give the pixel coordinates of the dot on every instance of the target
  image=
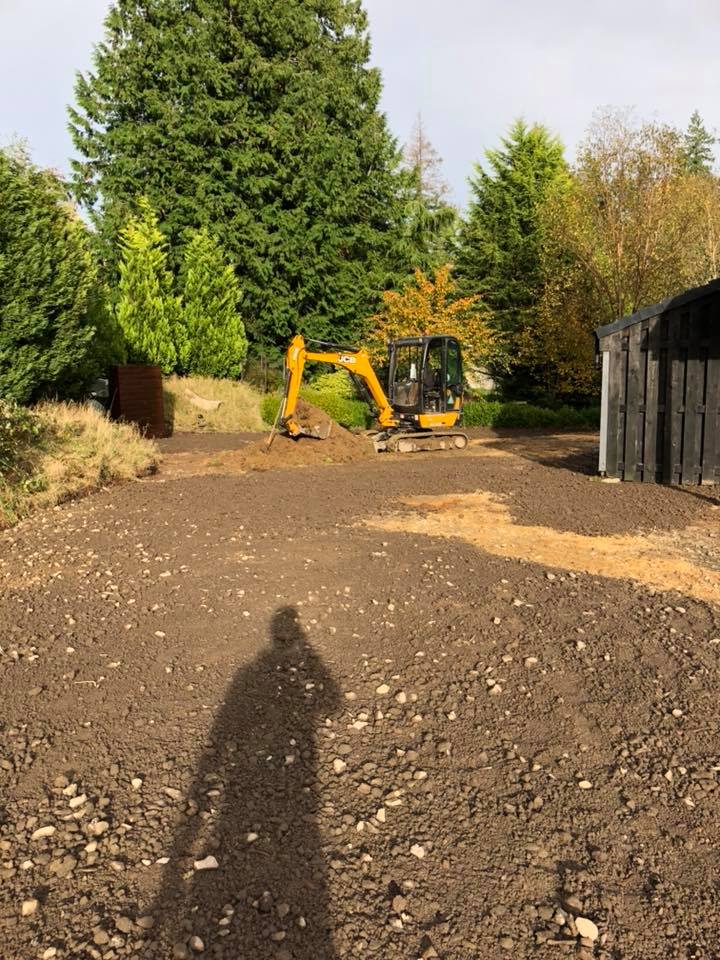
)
(405, 367)
(454, 376)
(433, 376)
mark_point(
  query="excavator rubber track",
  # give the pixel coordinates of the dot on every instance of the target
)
(420, 441)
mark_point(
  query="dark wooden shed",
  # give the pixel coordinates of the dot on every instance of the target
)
(661, 391)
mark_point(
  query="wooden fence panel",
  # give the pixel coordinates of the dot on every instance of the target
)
(675, 396)
(614, 429)
(633, 404)
(693, 402)
(652, 417)
(711, 444)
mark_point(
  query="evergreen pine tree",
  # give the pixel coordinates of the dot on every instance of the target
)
(698, 143)
(146, 310)
(47, 277)
(215, 341)
(259, 120)
(499, 253)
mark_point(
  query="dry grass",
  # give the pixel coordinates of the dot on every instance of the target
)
(239, 409)
(78, 451)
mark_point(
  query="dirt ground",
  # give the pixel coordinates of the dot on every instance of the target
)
(457, 705)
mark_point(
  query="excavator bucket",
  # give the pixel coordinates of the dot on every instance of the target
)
(307, 421)
(320, 431)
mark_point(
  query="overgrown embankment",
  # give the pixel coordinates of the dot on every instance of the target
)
(238, 410)
(57, 451)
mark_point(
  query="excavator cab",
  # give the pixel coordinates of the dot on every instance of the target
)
(425, 381)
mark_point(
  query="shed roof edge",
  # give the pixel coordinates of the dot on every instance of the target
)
(652, 311)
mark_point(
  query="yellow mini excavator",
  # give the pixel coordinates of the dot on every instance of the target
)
(422, 407)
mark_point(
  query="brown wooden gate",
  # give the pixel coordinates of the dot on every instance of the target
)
(661, 391)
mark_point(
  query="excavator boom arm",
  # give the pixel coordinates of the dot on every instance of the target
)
(356, 362)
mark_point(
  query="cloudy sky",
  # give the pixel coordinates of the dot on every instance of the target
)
(469, 66)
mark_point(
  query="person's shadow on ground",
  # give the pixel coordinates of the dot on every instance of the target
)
(257, 797)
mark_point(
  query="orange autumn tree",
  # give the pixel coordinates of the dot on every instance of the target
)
(429, 305)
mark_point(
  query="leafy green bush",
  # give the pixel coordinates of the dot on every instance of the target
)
(337, 383)
(493, 413)
(147, 311)
(269, 406)
(348, 413)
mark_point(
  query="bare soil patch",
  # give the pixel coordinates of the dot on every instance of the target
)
(385, 744)
(658, 560)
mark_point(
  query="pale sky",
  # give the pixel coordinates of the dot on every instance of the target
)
(470, 67)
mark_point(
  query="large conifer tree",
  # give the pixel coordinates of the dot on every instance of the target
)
(499, 254)
(260, 120)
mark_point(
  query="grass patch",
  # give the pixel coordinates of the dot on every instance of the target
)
(347, 412)
(239, 410)
(493, 413)
(62, 450)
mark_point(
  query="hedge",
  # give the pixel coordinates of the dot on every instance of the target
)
(476, 413)
(348, 413)
(493, 413)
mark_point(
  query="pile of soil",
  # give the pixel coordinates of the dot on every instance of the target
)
(341, 446)
(313, 419)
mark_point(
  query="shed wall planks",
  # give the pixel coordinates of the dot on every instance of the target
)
(662, 378)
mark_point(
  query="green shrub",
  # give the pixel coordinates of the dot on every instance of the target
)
(47, 278)
(338, 383)
(348, 413)
(269, 406)
(493, 413)
(480, 413)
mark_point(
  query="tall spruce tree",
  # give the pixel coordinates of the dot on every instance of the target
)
(698, 144)
(260, 120)
(499, 253)
(215, 341)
